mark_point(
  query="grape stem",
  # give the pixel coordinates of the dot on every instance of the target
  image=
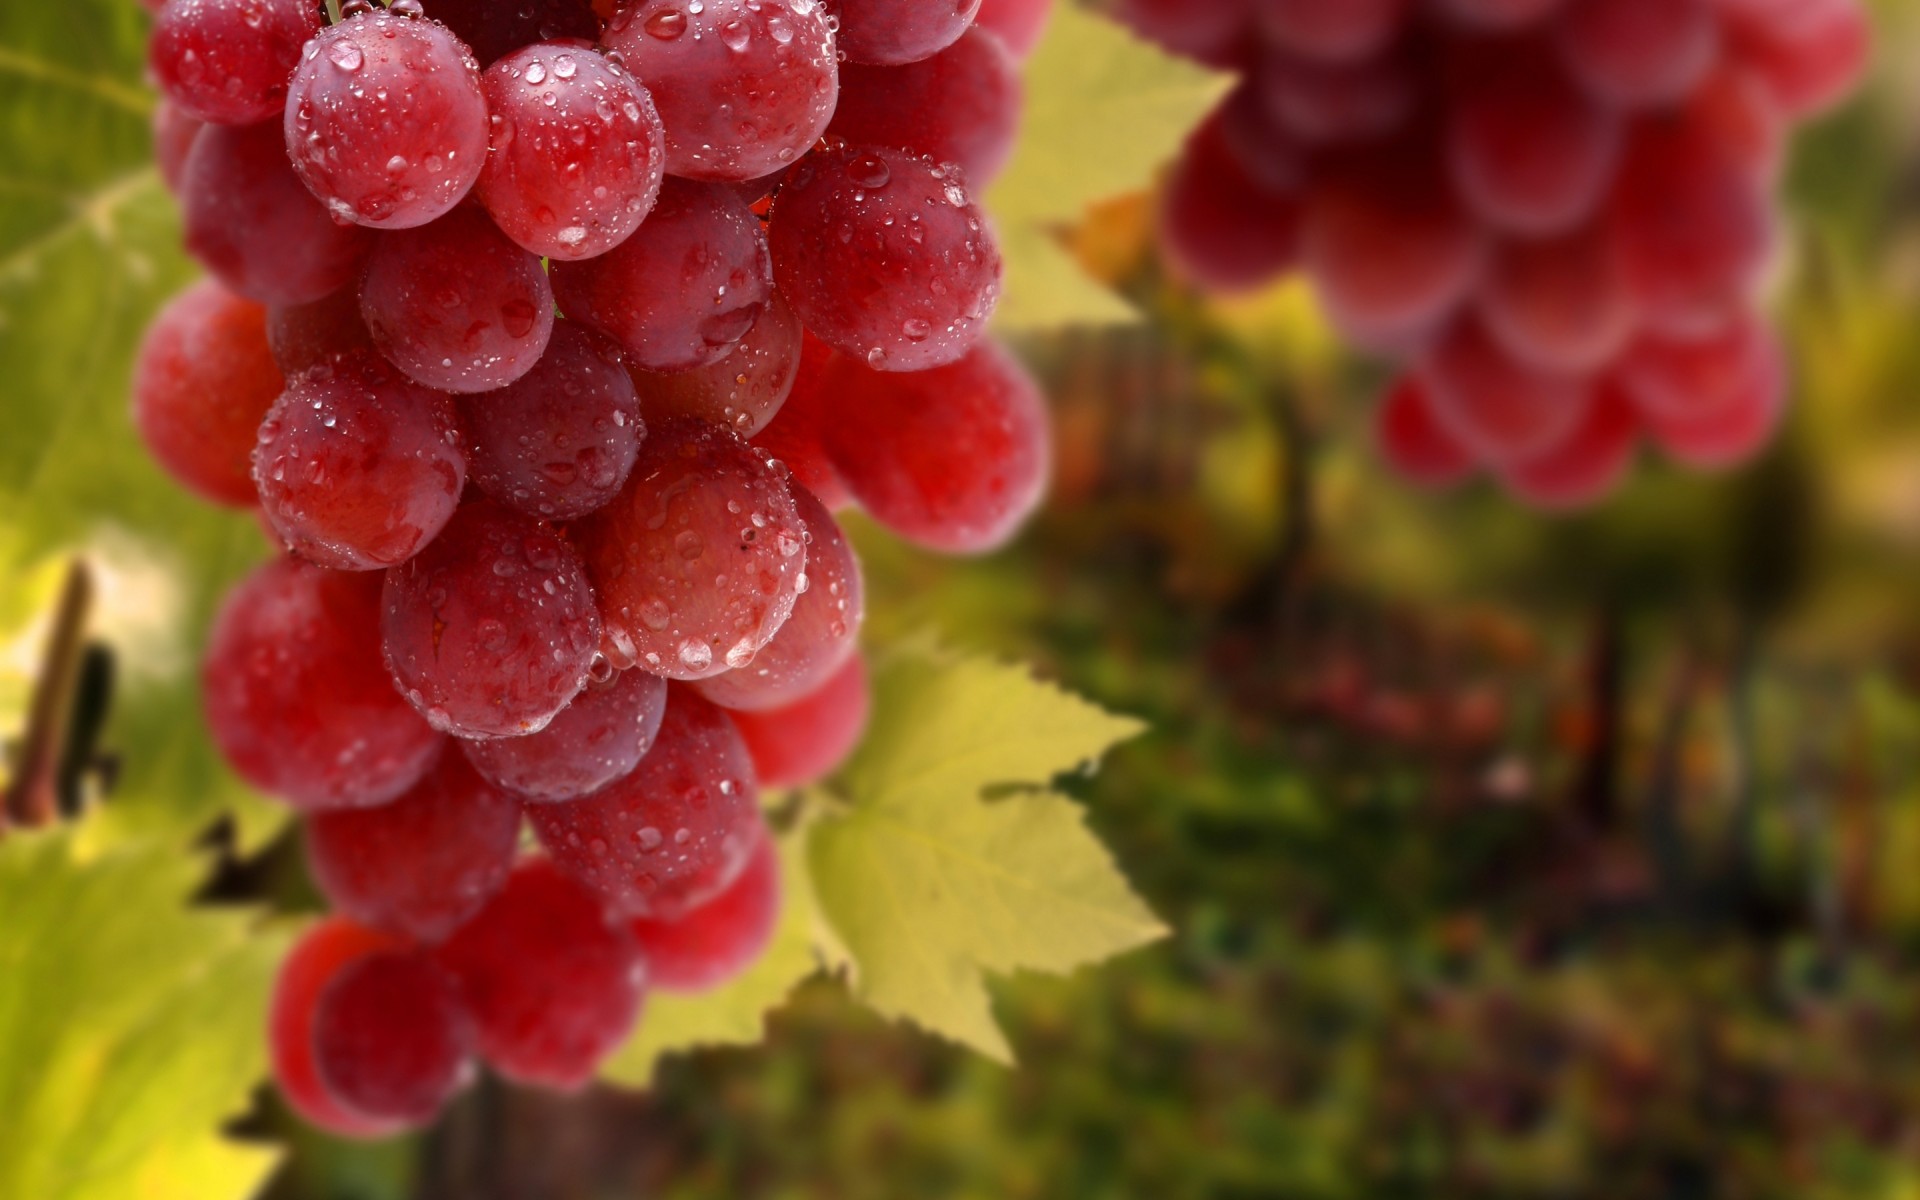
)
(333, 12)
(32, 795)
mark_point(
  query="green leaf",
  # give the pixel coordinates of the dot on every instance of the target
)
(929, 885)
(1103, 111)
(130, 1025)
(89, 249)
(735, 1013)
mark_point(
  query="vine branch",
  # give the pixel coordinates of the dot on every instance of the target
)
(32, 795)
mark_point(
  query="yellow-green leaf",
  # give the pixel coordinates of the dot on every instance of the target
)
(130, 1025)
(929, 885)
(1047, 289)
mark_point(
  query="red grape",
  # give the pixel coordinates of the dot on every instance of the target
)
(1390, 253)
(1498, 14)
(685, 288)
(795, 434)
(1559, 305)
(742, 391)
(885, 256)
(358, 466)
(1320, 103)
(1213, 33)
(1528, 152)
(807, 740)
(1734, 109)
(204, 379)
(385, 121)
(1269, 156)
(1733, 430)
(743, 86)
(1639, 53)
(1414, 443)
(675, 832)
(249, 220)
(822, 633)
(559, 442)
(900, 31)
(960, 106)
(490, 631)
(423, 864)
(494, 29)
(598, 738)
(706, 947)
(553, 988)
(456, 305)
(391, 1041)
(1332, 30)
(1017, 23)
(173, 134)
(698, 561)
(322, 953)
(1678, 377)
(577, 151)
(297, 698)
(228, 61)
(953, 459)
(1811, 53)
(1585, 465)
(1500, 410)
(304, 336)
(1221, 229)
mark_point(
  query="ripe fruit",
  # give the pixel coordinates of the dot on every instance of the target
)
(391, 1041)
(598, 738)
(808, 739)
(716, 941)
(227, 61)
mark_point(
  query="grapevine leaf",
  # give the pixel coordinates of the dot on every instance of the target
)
(89, 249)
(928, 885)
(1103, 111)
(129, 1024)
(733, 1014)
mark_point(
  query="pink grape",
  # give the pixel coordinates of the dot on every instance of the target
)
(554, 989)
(1390, 254)
(456, 305)
(491, 630)
(324, 951)
(202, 382)
(796, 434)
(304, 336)
(1811, 54)
(1327, 103)
(174, 131)
(1212, 33)
(674, 833)
(1414, 444)
(683, 290)
(961, 106)
(358, 466)
(720, 939)
(423, 864)
(1529, 153)
(1221, 229)
(1559, 305)
(885, 256)
(1584, 466)
(1498, 15)
(822, 633)
(227, 61)
(1017, 23)
(954, 459)
(889, 32)
(1500, 410)
(297, 698)
(808, 740)
(743, 86)
(598, 738)
(1733, 430)
(559, 442)
(1639, 53)
(386, 122)
(698, 561)
(1264, 151)
(1332, 30)
(577, 154)
(252, 224)
(1684, 376)
(494, 29)
(391, 1042)
(742, 391)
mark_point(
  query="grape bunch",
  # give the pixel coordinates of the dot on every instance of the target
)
(545, 338)
(1554, 214)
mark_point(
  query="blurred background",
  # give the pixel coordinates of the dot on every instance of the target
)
(1507, 856)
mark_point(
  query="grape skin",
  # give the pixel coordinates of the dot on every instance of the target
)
(1502, 411)
(743, 391)
(1560, 305)
(1219, 228)
(1411, 439)
(598, 738)
(962, 106)
(304, 336)
(807, 740)
(891, 32)
(493, 29)
(174, 131)
(227, 61)
(325, 950)
(423, 864)
(1587, 464)
(491, 630)
(391, 1041)
(297, 698)
(386, 123)
(1017, 23)
(1332, 30)
(456, 305)
(885, 256)
(698, 561)
(1639, 53)
(674, 833)
(358, 466)
(203, 380)
(795, 435)
(577, 151)
(1528, 153)
(718, 940)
